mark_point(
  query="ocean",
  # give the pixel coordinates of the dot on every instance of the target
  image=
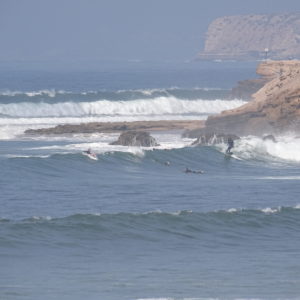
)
(133, 225)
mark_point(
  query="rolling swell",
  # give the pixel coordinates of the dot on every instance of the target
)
(56, 96)
(233, 224)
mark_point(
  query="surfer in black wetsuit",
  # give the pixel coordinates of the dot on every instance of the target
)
(88, 151)
(187, 170)
(230, 144)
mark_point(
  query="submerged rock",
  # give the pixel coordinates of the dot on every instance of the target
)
(136, 138)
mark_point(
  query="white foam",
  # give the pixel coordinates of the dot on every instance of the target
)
(100, 144)
(232, 210)
(155, 299)
(280, 177)
(141, 107)
(97, 147)
(26, 156)
(287, 148)
(40, 218)
(18, 117)
(186, 299)
(50, 93)
(269, 210)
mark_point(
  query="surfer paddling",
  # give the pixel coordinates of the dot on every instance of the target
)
(187, 170)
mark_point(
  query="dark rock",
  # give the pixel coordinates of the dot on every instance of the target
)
(136, 138)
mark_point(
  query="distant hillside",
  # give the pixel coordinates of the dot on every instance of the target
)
(248, 37)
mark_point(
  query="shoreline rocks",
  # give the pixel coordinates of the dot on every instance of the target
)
(110, 127)
(136, 138)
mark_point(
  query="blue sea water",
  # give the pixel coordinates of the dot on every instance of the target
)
(133, 225)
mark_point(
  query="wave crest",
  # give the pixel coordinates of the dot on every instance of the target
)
(142, 107)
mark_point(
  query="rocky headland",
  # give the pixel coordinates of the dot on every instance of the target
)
(274, 109)
(253, 37)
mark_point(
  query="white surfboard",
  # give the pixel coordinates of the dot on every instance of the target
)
(90, 155)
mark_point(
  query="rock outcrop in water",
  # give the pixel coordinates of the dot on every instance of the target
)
(136, 138)
(247, 37)
(275, 108)
(94, 127)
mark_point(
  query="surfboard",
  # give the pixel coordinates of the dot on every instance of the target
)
(90, 155)
(230, 154)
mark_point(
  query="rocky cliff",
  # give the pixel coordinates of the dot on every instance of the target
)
(247, 37)
(275, 108)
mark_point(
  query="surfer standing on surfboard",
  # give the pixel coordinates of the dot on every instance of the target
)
(230, 144)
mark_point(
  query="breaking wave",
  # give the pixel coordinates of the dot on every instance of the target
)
(142, 107)
(284, 149)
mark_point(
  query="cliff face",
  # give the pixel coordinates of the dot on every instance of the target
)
(275, 108)
(247, 37)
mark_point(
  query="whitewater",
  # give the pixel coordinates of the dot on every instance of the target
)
(133, 225)
(41, 113)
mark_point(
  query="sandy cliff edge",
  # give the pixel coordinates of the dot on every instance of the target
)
(275, 108)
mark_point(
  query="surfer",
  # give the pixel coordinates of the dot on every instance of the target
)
(187, 170)
(90, 154)
(88, 151)
(230, 144)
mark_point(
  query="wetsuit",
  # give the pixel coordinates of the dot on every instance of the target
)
(230, 145)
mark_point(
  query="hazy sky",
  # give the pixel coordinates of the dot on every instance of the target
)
(116, 29)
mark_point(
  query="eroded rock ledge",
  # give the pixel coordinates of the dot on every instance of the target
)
(117, 127)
